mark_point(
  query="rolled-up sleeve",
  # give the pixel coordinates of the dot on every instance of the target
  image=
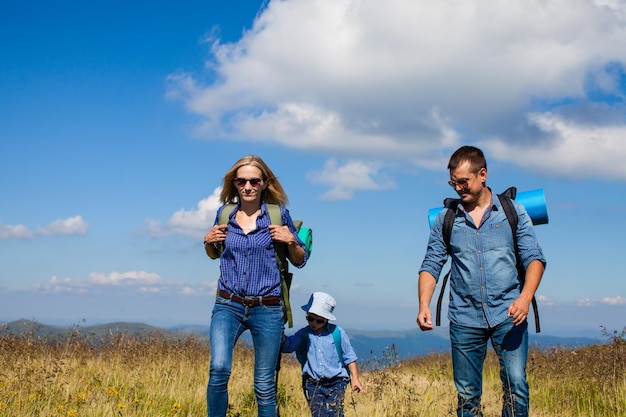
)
(436, 252)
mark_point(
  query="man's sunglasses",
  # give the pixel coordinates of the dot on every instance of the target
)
(461, 182)
(313, 319)
(241, 182)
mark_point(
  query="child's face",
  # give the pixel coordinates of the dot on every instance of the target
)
(316, 323)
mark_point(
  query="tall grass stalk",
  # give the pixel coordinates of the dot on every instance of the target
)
(156, 375)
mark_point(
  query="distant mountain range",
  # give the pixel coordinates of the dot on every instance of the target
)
(371, 346)
(40, 330)
(410, 343)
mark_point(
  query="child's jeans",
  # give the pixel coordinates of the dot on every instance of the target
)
(325, 397)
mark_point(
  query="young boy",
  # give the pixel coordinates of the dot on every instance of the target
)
(326, 355)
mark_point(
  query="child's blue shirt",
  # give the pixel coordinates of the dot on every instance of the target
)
(322, 357)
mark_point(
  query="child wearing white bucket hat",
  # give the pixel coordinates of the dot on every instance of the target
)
(327, 358)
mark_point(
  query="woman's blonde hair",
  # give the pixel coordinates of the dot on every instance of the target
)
(273, 192)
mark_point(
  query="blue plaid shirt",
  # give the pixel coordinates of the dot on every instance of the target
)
(248, 266)
(483, 278)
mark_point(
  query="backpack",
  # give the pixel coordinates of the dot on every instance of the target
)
(286, 277)
(506, 199)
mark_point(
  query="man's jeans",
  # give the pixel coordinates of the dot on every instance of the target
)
(469, 348)
(228, 322)
(326, 398)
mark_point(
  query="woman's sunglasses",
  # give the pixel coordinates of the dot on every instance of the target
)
(241, 182)
(313, 319)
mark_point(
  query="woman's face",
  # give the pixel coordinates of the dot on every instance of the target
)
(248, 185)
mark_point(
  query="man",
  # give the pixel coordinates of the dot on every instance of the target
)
(487, 298)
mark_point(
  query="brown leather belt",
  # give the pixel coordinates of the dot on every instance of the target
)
(271, 300)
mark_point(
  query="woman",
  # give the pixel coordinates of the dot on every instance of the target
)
(249, 291)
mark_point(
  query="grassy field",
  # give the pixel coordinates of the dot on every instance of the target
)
(154, 375)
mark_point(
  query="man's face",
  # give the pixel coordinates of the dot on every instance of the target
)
(468, 183)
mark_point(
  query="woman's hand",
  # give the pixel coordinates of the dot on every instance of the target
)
(217, 234)
(282, 234)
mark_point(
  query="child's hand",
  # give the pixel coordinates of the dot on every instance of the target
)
(356, 386)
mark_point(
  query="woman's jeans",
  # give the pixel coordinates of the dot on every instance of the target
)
(325, 398)
(229, 320)
(469, 348)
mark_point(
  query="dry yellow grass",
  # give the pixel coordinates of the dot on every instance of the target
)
(126, 376)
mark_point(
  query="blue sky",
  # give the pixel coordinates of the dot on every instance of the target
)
(118, 121)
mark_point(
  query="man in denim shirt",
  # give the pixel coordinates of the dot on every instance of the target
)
(487, 298)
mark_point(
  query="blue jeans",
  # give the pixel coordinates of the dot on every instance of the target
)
(325, 398)
(229, 320)
(469, 348)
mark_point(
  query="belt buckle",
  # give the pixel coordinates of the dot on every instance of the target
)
(248, 302)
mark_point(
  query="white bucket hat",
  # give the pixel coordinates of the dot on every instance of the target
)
(321, 304)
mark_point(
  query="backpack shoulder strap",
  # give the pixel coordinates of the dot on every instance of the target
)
(451, 205)
(280, 251)
(225, 214)
(511, 216)
(506, 199)
(337, 340)
(274, 212)
(510, 192)
(509, 210)
(215, 251)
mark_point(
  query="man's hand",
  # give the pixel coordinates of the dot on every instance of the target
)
(519, 310)
(426, 288)
(425, 319)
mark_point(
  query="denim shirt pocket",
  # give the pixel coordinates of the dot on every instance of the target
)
(498, 235)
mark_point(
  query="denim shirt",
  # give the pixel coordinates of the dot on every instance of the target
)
(248, 265)
(322, 357)
(483, 278)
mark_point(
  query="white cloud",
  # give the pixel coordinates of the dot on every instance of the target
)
(124, 278)
(18, 231)
(410, 77)
(574, 148)
(70, 226)
(192, 223)
(345, 179)
(618, 300)
(128, 282)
